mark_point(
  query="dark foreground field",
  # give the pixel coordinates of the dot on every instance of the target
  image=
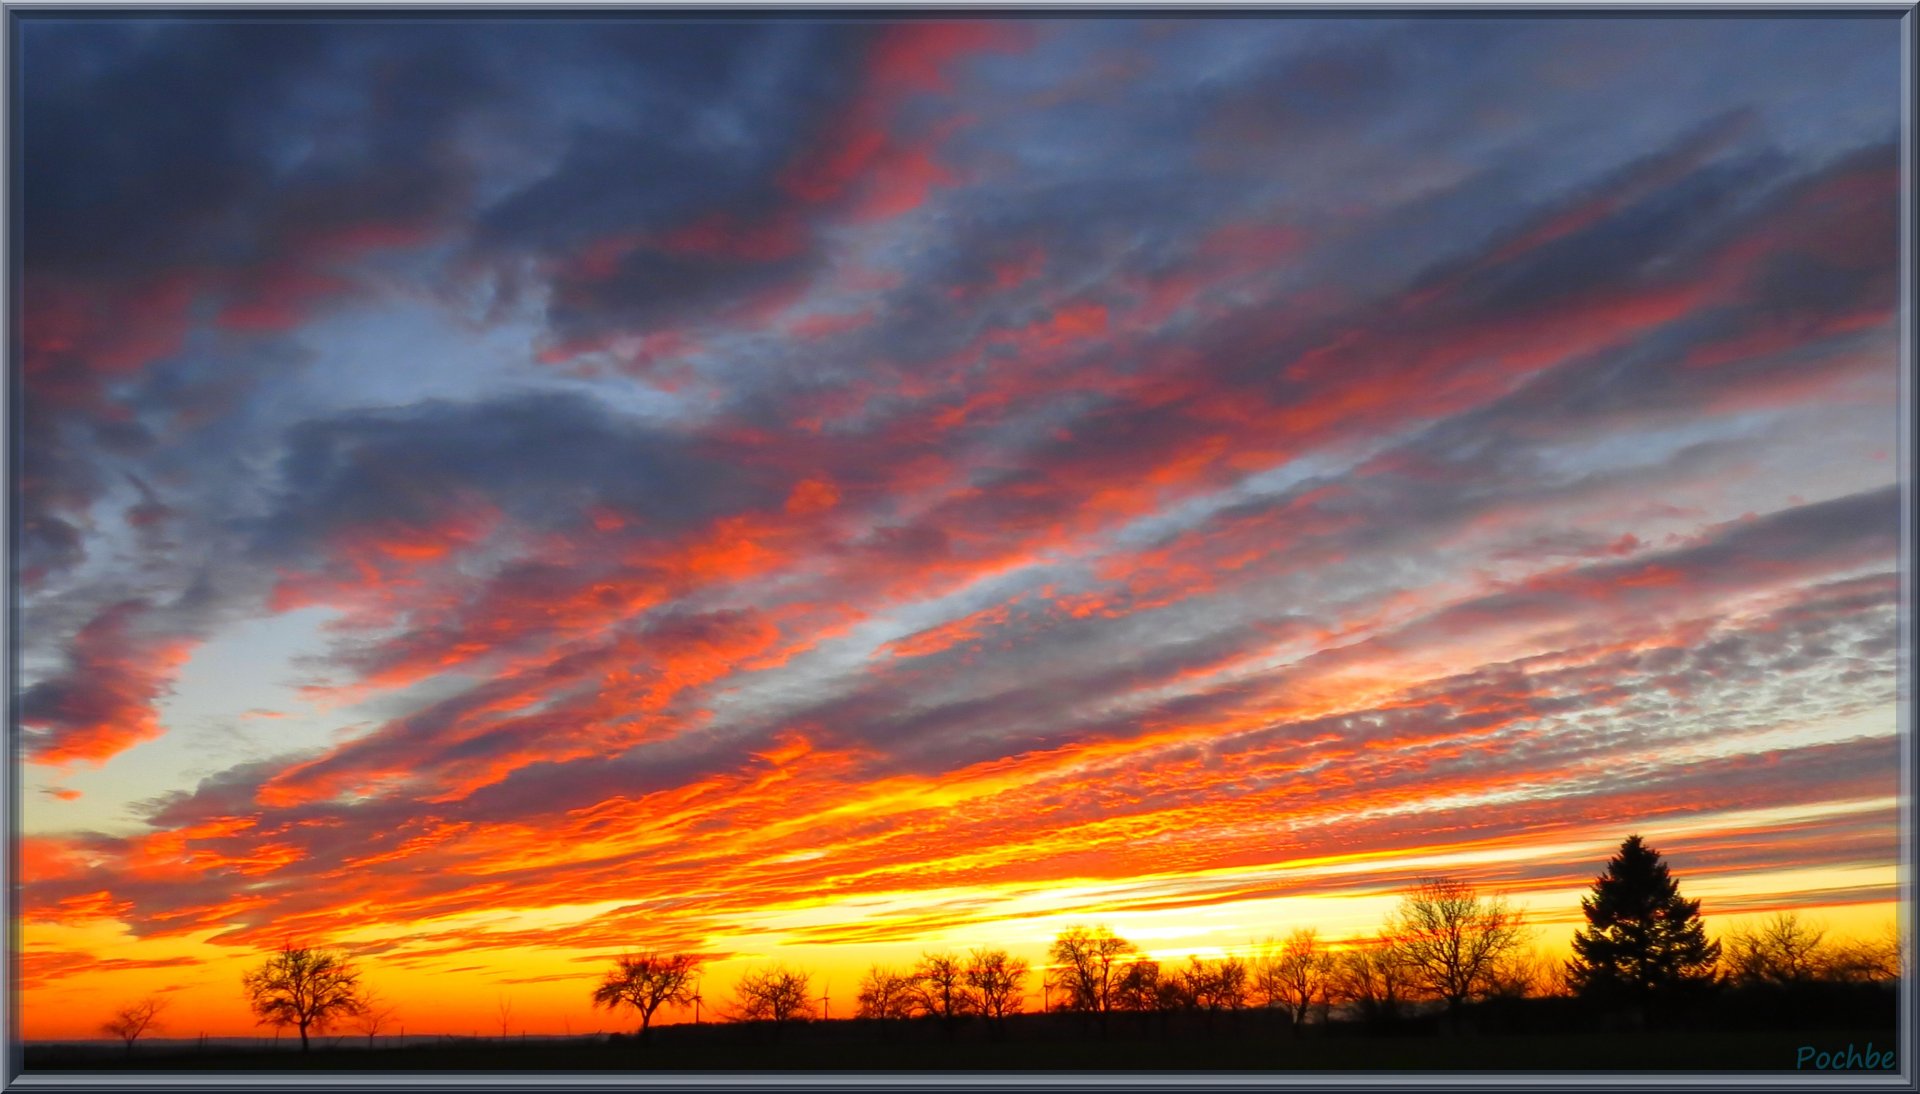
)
(850, 1047)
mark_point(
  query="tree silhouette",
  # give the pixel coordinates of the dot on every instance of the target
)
(940, 989)
(305, 987)
(1644, 943)
(1781, 952)
(1213, 986)
(1263, 976)
(1375, 978)
(995, 982)
(886, 993)
(646, 982)
(1302, 974)
(1143, 988)
(134, 1019)
(1090, 964)
(373, 1015)
(1868, 960)
(503, 1006)
(1453, 939)
(775, 994)
(1527, 974)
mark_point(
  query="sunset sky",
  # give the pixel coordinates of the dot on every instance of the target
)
(491, 495)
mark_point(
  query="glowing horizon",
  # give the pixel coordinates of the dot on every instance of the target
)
(820, 491)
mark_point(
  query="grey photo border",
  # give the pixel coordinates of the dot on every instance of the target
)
(14, 1076)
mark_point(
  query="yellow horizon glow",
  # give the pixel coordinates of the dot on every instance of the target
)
(548, 989)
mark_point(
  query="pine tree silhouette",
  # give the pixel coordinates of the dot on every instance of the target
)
(1644, 944)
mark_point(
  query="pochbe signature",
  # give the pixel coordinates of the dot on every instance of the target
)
(1809, 1058)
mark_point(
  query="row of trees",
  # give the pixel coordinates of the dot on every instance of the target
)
(1643, 948)
(1784, 951)
(308, 989)
(1445, 942)
(987, 982)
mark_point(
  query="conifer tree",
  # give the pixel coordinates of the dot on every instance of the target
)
(1644, 943)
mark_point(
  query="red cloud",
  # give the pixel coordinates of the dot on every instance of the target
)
(74, 336)
(949, 634)
(865, 155)
(101, 704)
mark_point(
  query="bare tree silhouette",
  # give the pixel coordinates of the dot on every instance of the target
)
(1375, 978)
(1214, 986)
(1783, 951)
(1525, 972)
(131, 1021)
(503, 1006)
(302, 986)
(1088, 966)
(1264, 986)
(995, 983)
(1140, 985)
(886, 993)
(646, 982)
(1144, 988)
(1453, 939)
(374, 1014)
(1303, 975)
(1880, 960)
(941, 990)
(775, 994)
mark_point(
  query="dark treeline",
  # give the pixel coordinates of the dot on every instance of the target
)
(1448, 961)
